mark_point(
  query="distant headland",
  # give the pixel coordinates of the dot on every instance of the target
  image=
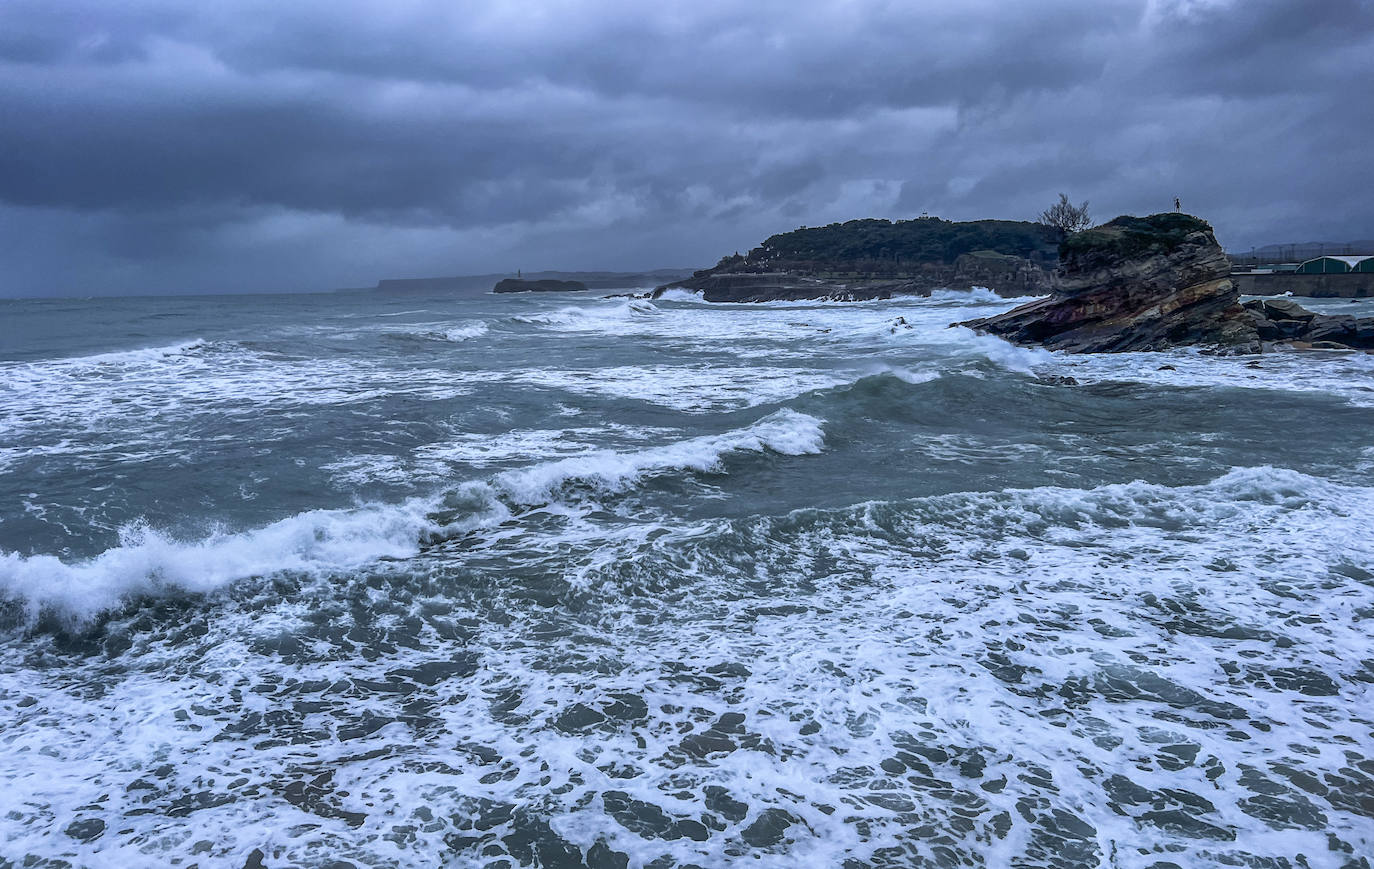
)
(487, 283)
(875, 259)
(546, 285)
(1132, 283)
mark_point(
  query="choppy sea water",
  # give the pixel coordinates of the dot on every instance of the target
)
(564, 581)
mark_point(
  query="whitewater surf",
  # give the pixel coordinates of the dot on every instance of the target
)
(524, 581)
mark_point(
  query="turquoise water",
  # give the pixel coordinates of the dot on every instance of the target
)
(565, 581)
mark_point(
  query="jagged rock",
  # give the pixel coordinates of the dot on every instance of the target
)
(1135, 283)
(547, 285)
(1283, 320)
(1281, 309)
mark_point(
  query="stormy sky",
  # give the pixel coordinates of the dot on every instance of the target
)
(254, 145)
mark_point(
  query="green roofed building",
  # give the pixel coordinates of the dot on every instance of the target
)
(1337, 265)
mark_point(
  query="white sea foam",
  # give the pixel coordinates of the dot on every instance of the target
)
(149, 562)
(1022, 360)
(438, 462)
(941, 664)
(138, 403)
(1349, 376)
(489, 449)
(678, 295)
(440, 332)
(973, 295)
(616, 316)
(127, 357)
(786, 432)
(974, 678)
(694, 388)
(907, 375)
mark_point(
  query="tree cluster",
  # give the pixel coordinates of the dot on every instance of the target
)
(1067, 217)
(921, 241)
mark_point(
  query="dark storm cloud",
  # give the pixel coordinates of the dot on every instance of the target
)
(157, 145)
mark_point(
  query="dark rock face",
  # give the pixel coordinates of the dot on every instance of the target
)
(1136, 284)
(1282, 320)
(517, 285)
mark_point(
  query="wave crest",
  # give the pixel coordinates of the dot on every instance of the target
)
(786, 432)
(149, 562)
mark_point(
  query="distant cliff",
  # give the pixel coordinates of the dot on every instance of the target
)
(519, 285)
(483, 283)
(866, 259)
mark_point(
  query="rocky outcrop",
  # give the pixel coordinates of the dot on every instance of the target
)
(1136, 283)
(1283, 320)
(519, 285)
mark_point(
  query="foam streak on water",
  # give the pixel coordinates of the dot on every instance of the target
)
(509, 582)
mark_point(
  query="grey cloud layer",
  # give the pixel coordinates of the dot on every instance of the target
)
(160, 146)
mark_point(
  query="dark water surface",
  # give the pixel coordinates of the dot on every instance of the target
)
(564, 581)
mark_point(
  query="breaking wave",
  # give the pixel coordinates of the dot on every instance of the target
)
(148, 562)
(786, 432)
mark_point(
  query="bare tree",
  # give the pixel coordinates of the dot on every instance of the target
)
(1065, 217)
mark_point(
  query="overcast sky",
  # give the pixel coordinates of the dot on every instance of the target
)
(167, 146)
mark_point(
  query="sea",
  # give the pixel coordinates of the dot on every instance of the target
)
(559, 580)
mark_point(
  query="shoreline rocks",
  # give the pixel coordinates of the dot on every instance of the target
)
(1135, 283)
(1152, 283)
(1283, 320)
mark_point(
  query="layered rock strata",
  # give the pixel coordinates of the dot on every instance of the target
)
(1135, 284)
(1151, 283)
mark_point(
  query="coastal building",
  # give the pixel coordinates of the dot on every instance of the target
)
(1337, 265)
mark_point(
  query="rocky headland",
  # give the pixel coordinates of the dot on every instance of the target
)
(876, 259)
(521, 285)
(1156, 282)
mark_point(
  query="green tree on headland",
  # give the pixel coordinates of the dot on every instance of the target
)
(1066, 217)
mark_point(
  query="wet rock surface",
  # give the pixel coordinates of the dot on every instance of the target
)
(1146, 283)
(1283, 320)
(1158, 282)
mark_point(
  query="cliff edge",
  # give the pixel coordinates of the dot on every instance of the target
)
(1136, 283)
